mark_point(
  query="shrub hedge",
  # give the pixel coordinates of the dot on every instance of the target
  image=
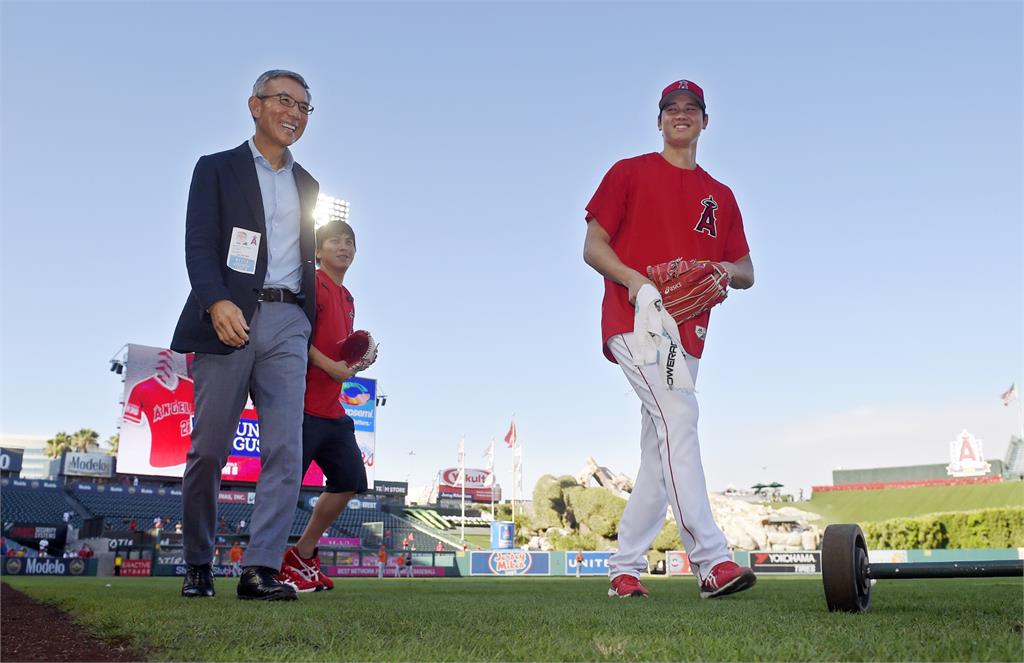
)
(985, 528)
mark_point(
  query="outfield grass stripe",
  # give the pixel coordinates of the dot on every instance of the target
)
(549, 619)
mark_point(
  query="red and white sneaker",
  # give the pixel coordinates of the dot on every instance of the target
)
(302, 573)
(321, 577)
(727, 578)
(290, 576)
(626, 586)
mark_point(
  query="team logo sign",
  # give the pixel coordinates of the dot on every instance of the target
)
(707, 221)
(76, 567)
(966, 457)
(13, 566)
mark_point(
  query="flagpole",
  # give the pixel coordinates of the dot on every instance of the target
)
(462, 473)
(513, 495)
(491, 468)
(1020, 417)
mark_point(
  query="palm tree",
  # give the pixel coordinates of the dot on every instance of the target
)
(112, 443)
(57, 445)
(85, 440)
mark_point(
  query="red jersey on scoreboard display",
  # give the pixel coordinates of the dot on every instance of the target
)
(335, 316)
(654, 212)
(166, 403)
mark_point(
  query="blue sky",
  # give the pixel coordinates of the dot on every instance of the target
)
(875, 150)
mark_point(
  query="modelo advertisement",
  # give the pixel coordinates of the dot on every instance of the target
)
(595, 563)
(48, 566)
(797, 561)
(509, 563)
(158, 415)
(78, 464)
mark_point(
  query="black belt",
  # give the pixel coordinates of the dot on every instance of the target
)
(276, 295)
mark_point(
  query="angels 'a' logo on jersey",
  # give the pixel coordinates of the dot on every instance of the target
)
(707, 222)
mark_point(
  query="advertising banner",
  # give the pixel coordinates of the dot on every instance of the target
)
(10, 460)
(77, 464)
(677, 563)
(595, 563)
(887, 556)
(509, 563)
(391, 487)
(798, 561)
(236, 497)
(219, 570)
(48, 566)
(340, 542)
(156, 426)
(502, 533)
(33, 533)
(136, 567)
(478, 485)
(389, 571)
(359, 398)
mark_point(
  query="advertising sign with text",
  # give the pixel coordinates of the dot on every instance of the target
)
(595, 563)
(509, 563)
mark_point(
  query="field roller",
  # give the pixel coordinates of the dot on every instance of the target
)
(847, 574)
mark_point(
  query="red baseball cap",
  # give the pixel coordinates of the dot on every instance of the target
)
(683, 87)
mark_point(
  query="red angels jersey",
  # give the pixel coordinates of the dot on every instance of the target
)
(335, 320)
(654, 212)
(169, 415)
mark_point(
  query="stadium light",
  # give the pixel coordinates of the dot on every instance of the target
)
(329, 208)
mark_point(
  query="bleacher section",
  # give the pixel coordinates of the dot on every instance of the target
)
(118, 504)
(45, 504)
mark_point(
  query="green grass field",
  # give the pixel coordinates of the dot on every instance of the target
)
(861, 506)
(548, 619)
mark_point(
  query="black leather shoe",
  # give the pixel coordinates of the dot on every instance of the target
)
(258, 583)
(198, 581)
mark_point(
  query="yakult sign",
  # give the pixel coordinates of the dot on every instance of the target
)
(479, 487)
(474, 478)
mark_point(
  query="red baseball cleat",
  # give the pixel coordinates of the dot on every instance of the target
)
(625, 586)
(727, 578)
(289, 576)
(303, 574)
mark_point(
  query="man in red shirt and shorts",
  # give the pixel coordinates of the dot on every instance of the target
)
(648, 210)
(328, 434)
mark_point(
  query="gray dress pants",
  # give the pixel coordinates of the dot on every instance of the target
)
(272, 368)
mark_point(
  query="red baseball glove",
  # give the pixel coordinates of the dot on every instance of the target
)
(359, 350)
(689, 287)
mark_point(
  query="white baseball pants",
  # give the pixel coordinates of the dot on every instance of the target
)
(670, 473)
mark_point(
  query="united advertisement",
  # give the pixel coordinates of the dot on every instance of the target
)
(158, 416)
(594, 562)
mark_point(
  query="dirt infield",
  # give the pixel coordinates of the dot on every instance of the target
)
(31, 631)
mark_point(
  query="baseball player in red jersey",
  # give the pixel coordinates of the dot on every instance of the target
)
(164, 400)
(648, 210)
(328, 434)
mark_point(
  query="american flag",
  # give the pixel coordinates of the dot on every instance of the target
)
(1009, 394)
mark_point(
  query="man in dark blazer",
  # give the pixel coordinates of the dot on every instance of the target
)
(249, 250)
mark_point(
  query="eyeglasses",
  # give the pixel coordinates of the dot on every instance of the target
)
(288, 102)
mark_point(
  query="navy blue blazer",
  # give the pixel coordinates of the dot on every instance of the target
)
(225, 194)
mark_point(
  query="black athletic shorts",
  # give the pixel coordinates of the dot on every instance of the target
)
(332, 444)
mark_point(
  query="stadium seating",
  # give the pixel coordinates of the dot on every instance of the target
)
(119, 503)
(36, 505)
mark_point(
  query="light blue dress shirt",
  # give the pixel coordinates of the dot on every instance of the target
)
(282, 212)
